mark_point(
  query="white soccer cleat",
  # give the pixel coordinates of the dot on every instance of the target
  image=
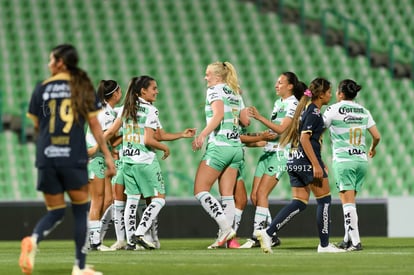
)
(213, 245)
(140, 240)
(119, 245)
(27, 255)
(225, 235)
(330, 249)
(248, 244)
(265, 240)
(88, 270)
(104, 248)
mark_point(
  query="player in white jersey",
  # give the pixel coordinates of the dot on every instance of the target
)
(348, 123)
(240, 193)
(272, 163)
(141, 170)
(224, 154)
(100, 188)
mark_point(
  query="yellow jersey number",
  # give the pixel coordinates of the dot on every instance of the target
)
(65, 114)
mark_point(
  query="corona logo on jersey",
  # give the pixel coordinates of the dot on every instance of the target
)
(345, 110)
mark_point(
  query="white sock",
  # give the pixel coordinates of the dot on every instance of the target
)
(269, 218)
(213, 208)
(351, 222)
(94, 232)
(130, 215)
(119, 221)
(106, 220)
(150, 213)
(227, 202)
(154, 229)
(237, 218)
(260, 218)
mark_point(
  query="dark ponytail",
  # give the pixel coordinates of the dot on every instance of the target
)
(106, 90)
(298, 86)
(81, 87)
(131, 103)
(350, 88)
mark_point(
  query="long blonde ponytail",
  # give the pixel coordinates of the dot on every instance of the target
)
(228, 73)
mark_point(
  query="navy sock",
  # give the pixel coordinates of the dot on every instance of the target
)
(49, 222)
(80, 214)
(323, 219)
(285, 215)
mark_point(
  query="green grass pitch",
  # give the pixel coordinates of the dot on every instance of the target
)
(190, 256)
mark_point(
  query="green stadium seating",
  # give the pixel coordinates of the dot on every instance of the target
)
(173, 41)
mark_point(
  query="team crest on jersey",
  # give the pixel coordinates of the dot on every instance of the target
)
(227, 90)
(316, 111)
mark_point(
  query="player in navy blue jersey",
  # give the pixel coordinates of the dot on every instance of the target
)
(59, 108)
(305, 167)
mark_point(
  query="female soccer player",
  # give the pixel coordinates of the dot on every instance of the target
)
(59, 107)
(272, 164)
(224, 153)
(100, 187)
(348, 123)
(141, 170)
(305, 167)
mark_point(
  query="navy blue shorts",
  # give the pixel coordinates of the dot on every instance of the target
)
(301, 173)
(60, 179)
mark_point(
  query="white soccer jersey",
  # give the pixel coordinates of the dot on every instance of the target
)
(281, 109)
(348, 122)
(133, 146)
(228, 132)
(106, 117)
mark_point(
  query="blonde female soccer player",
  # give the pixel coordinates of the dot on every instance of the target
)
(224, 153)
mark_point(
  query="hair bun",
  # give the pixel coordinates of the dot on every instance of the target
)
(352, 87)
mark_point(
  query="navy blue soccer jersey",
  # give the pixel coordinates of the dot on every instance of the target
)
(61, 141)
(311, 122)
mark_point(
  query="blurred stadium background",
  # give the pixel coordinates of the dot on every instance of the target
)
(173, 40)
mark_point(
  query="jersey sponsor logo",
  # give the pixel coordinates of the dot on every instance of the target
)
(57, 152)
(214, 95)
(345, 110)
(130, 152)
(353, 119)
(233, 135)
(233, 101)
(356, 152)
(55, 90)
(60, 140)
